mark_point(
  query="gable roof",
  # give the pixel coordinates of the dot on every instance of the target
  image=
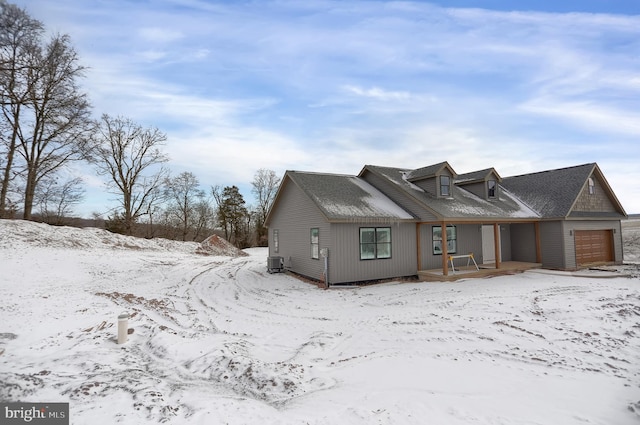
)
(343, 197)
(545, 194)
(429, 171)
(476, 176)
(462, 204)
(553, 193)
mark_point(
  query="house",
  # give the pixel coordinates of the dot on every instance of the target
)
(393, 222)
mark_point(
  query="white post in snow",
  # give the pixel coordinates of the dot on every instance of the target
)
(123, 328)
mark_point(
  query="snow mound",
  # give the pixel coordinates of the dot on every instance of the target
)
(20, 233)
(215, 245)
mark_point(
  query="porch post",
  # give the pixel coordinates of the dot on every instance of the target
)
(445, 254)
(496, 240)
(536, 227)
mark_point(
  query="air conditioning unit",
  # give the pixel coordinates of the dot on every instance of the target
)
(275, 264)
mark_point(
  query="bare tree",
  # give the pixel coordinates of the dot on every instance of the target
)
(183, 193)
(56, 200)
(19, 46)
(154, 207)
(57, 130)
(265, 186)
(130, 156)
(204, 218)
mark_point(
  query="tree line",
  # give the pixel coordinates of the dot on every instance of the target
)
(47, 125)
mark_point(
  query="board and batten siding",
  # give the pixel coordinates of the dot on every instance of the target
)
(505, 242)
(294, 217)
(523, 242)
(570, 228)
(468, 239)
(552, 245)
(345, 265)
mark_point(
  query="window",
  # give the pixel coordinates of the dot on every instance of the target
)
(491, 188)
(452, 244)
(315, 243)
(592, 186)
(276, 240)
(375, 242)
(444, 186)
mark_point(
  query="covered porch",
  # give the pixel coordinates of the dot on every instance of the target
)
(483, 271)
(476, 248)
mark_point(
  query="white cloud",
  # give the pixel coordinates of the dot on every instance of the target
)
(378, 93)
(330, 86)
(588, 115)
(159, 35)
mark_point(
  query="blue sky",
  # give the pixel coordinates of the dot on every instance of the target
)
(330, 86)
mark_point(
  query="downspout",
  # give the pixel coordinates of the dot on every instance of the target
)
(326, 269)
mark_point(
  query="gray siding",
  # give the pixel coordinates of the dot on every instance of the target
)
(505, 242)
(345, 264)
(570, 228)
(523, 242)
(552, 245)
(294, 217)
(477, 189)
(429, 185)
(469, 240)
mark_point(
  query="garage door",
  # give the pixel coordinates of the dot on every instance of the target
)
(593, 246)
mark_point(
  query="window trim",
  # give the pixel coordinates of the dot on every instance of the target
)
(315, 244)
(454, 240)
(447, 186)
(592, 186)
(492, 192)
(378, 254)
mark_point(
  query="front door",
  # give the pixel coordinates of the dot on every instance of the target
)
(488, 245)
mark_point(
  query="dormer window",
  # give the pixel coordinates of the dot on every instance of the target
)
(592, 186)
(491, 188)
(445, 186)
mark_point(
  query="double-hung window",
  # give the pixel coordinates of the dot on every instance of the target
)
(491, 188)
(315, 243)
(451, 240)
(375, 242)
(445, 186)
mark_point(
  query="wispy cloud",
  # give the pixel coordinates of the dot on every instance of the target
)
(159, 35)
(331, 85)
(378, 93)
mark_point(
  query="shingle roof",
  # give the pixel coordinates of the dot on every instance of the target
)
(552, 193)
(428, 171)
(545, 194)
(462, 204)
(475, 176)
(344, 197)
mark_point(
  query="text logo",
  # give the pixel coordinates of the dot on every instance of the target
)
(35, 413)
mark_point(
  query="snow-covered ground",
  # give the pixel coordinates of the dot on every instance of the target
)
(217, 340)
